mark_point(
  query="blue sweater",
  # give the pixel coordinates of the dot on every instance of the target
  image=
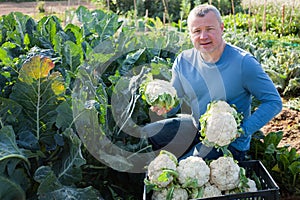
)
(235, 78)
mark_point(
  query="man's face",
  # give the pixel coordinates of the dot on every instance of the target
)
(206, 33)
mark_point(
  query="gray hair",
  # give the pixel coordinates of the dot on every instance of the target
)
(202, 10)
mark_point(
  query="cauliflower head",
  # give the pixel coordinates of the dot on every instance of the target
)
(221, 129)
(177, 194)
(161, 170)
(159, 93)
(220, 106)
(220, 124)
(211, 190)
(193, 172)
(225, 173)
(251, 186)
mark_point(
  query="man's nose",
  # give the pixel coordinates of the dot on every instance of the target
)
(203, 34)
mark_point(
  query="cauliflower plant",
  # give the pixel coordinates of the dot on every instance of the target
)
(162, 169)
(220, 124)
(159, 93)
(176, 193)
(193, 172)
(225, 173)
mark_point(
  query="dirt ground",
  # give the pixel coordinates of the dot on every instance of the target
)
(287, 120)
(31, 8)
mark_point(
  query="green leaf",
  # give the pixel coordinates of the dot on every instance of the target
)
(74, 31)
(270, 149)
(190, 183)
(136, 58)
(10, 190)
(273, 138)
(83, 14)
(170, 193)
(27, 140)
(47, 179)
(20, 177)
(5, 59)
(68, 168)
(72, 193)
(8, 145)
(51, 188)
(284, 162)
(97, 22)
(9, 111)
(38, 92)
(166, 174)
(48, 27)
(295, 168)
(64, 116)
(17, 25)
(72, 55)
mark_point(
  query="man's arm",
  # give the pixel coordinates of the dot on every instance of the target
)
(259, 84)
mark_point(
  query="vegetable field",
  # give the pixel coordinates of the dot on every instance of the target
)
(71, 110)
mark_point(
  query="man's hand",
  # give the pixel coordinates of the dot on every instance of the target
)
(158, 110)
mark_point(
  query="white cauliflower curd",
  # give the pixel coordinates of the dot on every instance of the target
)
(211, 190)
(160, 93)
(195, 178)
(220, 106)
(193, 172)
(225, 173)
(160, 170)
(159, 87)
(251, 186)
(220, 124)
(221, 128)
(177, 194)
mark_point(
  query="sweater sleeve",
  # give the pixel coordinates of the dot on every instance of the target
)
(257, 82)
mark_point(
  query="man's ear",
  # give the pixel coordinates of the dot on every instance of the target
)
(222, 27)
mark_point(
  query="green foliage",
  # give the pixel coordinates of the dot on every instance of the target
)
(283, 163)
(255, 23)
(39, 64)
(185, 7)
(224, 6)
(40, 61)
(279, 57)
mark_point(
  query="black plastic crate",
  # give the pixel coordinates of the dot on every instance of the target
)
(269, 189)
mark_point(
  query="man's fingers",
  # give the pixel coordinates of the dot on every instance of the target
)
(158, 111)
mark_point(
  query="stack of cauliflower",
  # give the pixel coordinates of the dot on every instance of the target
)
(194, 178)
(220, 124)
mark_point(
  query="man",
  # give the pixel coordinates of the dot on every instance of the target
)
(216, 70)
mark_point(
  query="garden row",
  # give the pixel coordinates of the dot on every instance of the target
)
(63, 86)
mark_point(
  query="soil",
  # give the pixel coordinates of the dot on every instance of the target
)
(288, 121)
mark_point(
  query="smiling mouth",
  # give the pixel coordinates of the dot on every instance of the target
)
(206, 43)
